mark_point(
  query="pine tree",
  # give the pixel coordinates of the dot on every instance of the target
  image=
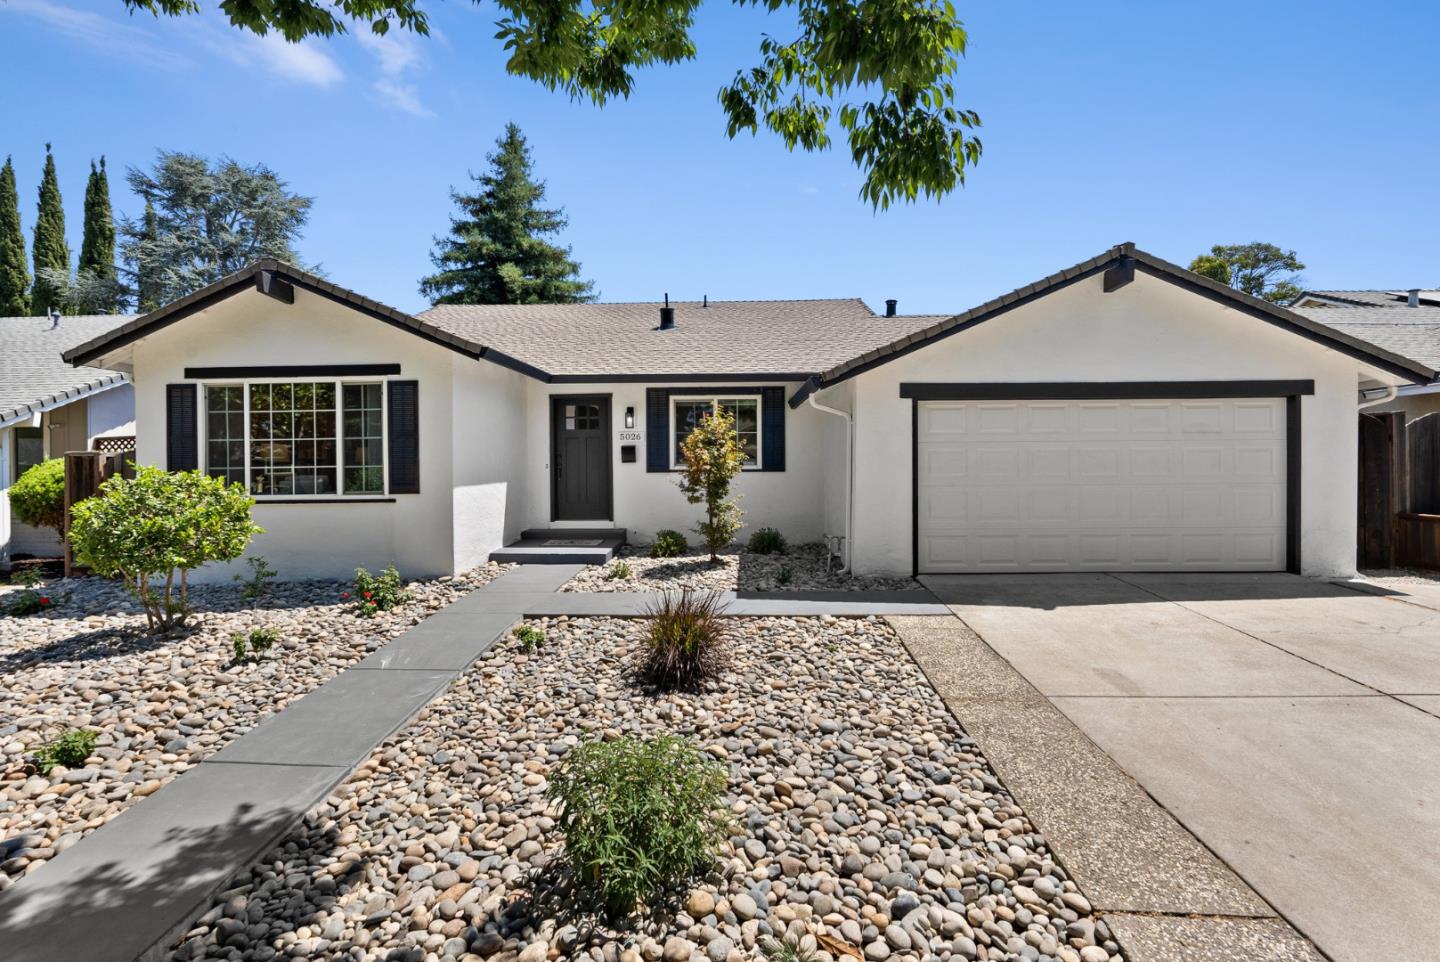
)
(50, 252)
(496, 253)
(97, 249)
(14, 275)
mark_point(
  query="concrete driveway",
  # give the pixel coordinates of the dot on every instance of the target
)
(1292, 725)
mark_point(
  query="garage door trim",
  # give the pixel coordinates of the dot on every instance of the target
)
(1291, 390)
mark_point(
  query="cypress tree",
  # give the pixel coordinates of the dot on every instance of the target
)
(97, 249)
(496, 252)
(14, 275)
(50, 250)
(148, 294)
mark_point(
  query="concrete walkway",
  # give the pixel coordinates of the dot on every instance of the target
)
(1288, 724)
(129, 889)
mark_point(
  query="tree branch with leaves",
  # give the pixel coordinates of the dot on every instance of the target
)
(712, 457)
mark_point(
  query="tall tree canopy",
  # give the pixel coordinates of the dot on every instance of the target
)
(883, 71)
(203, 221)
(496, 252)
(97, 247)
(14, 273)
(50, 251)
(1258, 269)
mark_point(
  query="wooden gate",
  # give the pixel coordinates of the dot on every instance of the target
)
(1399, 509)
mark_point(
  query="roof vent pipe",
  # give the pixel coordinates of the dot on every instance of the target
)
(1412, 297)
(667, 316)
(890, 305)
(706, 301)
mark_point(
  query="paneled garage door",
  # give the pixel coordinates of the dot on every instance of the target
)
(1101, 485)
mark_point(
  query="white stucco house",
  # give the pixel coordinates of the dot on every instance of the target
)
(1122, 414)
(48, 407)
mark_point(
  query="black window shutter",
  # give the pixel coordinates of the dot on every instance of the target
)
(182, 428)
(404, 414)
(657, 429)
(772, 428)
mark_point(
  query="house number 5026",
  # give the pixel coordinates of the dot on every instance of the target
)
(632, 436)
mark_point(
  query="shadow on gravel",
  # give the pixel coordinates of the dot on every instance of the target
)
(89, 646)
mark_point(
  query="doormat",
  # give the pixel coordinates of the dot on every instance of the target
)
(573, 543)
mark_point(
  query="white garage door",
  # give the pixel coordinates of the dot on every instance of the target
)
(1124, 485)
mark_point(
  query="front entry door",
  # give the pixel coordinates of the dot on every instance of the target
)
(580, 458)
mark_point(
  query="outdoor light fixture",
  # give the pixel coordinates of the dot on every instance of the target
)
(629, 418)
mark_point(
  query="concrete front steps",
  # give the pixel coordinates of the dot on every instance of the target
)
(562, 546)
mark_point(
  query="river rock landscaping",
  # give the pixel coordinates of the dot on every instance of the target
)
(865, 823)
(799, 568)
(158, 705)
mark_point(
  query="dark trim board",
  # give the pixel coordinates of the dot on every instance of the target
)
(1291, 391)
(293, 370)
(262, 502)
(663, 379)
(1099, 390)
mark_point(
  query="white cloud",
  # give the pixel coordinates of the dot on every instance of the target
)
(397, 55)
(304, 62)
(114, 37)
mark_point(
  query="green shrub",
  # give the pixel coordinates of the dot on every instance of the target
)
(257, 586)
(668, 544)
(38, 496)
(684, 641)
(531, 639)
(375, 593)
(259, 642)
(786, 575)
(238, 648)
(766, 541)
(641, 817)
(28, 602)
(69, 749)
(619, 571)
(160, 525)
(789, 950)
(712, 458)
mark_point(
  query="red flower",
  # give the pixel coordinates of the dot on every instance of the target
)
(344, 595)
(44, 600)
(367, 595)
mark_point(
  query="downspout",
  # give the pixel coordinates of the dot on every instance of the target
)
(1391, 391)
(849, 467)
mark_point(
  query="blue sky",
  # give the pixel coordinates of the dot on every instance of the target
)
(1315, 125)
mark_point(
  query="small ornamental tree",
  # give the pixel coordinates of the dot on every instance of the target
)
(38, 496)
(713, 457)
(157, 527)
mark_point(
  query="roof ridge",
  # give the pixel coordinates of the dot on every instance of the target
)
(673, 302)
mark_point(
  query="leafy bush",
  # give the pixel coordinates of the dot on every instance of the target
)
(161, 525)
(685, 640)
(375, 593)
(28, 602)
(619, 571)
(641, 817)
(766, 541)
(712, 458)
(531, 639)
(668, 544)
(69, 749)
(256, 586)
(38, 496)
(259, 641)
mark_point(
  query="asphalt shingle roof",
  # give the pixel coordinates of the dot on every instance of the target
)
(32, 373)
(1393, 298)
(796, 337)
(1412, 332)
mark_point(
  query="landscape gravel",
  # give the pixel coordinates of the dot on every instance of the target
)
(799, 568)
(159, 705)
(865, 823)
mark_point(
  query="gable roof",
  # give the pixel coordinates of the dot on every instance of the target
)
(1366, 298)
(34, 378)
(1125, 256)
(1412, 331)
(774, 340)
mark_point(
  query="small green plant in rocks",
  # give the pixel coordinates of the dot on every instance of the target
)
(69, 749)
(641, 817)
(376, 593)
(684, 641)
(619, 571)
(668, 543)
(789, 950)
(766, 541)
(257, 586)
(786, 575)
(530, 638)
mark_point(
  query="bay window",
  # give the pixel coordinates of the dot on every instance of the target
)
(297, 439)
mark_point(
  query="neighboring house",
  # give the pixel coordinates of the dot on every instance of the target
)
(1407, 322)
(48, 407)
(1122, 414)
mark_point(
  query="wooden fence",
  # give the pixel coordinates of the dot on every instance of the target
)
(84, 472)
(1399, 509)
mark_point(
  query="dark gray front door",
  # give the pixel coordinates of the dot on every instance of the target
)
(580, 458)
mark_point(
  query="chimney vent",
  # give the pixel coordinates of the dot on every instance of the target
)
(706, 301)
(54, 316)
(1412, 297)
(667, 316)
(890, 305)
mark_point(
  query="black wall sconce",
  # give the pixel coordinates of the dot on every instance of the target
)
(629, 418)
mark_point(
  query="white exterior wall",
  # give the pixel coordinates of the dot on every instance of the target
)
(489, 441)
(791, 501)
(112, 413)
(1149, 330)
(329, 540)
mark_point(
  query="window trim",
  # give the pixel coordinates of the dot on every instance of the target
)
(715, 399)
(339, 383)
